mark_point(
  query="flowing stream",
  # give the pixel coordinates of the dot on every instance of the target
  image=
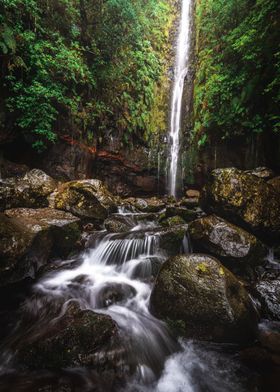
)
(180, 72)
(122, 264)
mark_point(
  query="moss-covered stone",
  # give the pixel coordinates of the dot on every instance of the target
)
(88, 199)
(173, 221)
(171, 239)
(244, 199)
(233, 245)
(200, 294)
(187, 214)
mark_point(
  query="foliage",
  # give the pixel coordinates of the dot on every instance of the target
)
(82, 66)
(238, 68)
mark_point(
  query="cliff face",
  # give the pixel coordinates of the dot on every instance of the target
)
(104, 111)
(235, 100)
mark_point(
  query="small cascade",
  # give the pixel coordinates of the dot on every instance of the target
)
(180, 72)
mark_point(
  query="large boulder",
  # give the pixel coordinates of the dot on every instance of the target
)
(198, 294)
(75, 338)
(235, 246)
(30, 190)
(29, 237)
(244, 199)
(88, 199)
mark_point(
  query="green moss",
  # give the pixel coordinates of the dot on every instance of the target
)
(202, 267)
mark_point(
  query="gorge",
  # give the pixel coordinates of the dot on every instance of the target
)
(139, 196)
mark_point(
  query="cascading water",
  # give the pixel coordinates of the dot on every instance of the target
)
(180, 72)
(115, 278)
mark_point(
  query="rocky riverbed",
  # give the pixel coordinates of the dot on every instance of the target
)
(98, 291)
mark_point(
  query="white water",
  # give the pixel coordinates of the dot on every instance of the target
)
(180, 72)
(125, 265)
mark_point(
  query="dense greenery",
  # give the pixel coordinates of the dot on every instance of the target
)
(82, 67)
(237, 86)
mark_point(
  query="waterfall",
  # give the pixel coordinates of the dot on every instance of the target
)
(180, 72)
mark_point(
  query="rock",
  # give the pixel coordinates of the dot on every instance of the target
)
(268, 292)
(244, 199)
(198, 293)
(29, 237)
(189, 202)
(235, 246)
(193, 193)
(12, 169)
(118, 224)
(114, 293)
(173, 221)
(262, 172)
(152, 204)
(275, 182)
(269, 336)
(28, 191)
(171, 239)
(88, 199)
(185, 213)
(78, 338)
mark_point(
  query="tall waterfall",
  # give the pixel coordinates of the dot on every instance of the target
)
(180, 72)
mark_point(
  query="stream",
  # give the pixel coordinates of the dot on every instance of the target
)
(115, 277)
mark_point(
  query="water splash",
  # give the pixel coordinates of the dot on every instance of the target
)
(181, 70)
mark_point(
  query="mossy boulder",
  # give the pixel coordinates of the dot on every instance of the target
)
(244, 199)
(30, 236)
(173, 221)
(29, 191)
(77, 338)
(171, 239)
(230, 243)
(88, 199)
(187, 214)
(198, 293)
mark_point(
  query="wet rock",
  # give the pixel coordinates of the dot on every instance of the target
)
(152, 204)
(269, 336)
(30, 236)
(171, 239)
(173, 221)
(12, 169)
(275, 182)
(29, 191)
(76, 338)
(88, 199)
(244, 199)
(235, 246)
(262, 172)
(268, 293)
(198, 293)
(118, 224)
(114, 293)
(187, 214)
(193, 194)
(189, 202)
